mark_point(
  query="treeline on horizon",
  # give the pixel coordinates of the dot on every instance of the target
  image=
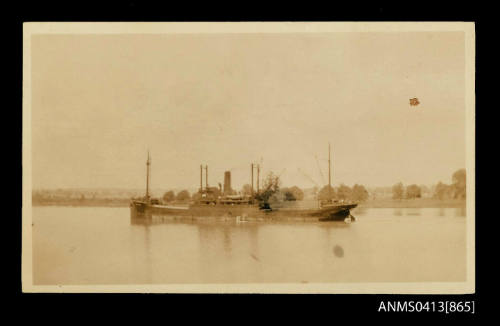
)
(455, 190)
(294, 193)
(272, 188)
(442, 191)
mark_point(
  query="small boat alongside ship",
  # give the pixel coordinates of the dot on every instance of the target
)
(216, 204)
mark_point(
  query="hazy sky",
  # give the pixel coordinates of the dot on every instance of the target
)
(227, 100)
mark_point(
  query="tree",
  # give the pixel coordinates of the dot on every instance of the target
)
(292, 193)
(183, 195)
(413, 191)
(271, 186)
(442, 191)
(168, 196)
(424, 190)
(288, 195)
(196, 196)
(326, 193)
(272, 182)
(246, 190)
(297, 192)
(459, 184)
(397, 191)
(359, 193)
(344, 192)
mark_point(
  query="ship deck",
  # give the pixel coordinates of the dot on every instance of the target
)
(243, 211)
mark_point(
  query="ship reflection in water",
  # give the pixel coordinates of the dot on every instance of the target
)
(243, 247)
(104, 246)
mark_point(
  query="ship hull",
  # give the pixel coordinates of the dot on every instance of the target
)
(141, 210)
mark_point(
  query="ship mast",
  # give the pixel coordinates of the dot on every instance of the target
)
(329, 174)
(148, 163)
(206, 177)
(201, 178)
(252, 178)
(258, 175)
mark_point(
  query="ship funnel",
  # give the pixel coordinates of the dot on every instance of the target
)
(227, 183)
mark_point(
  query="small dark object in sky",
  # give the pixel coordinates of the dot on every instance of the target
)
(338, 251)
(414, 101)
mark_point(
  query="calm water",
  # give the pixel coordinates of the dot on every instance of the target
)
(100, 246)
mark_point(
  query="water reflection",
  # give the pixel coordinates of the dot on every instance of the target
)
(210, 232)
(378, 247)
(413, 212)
(213, 234)
(253, 235)
(143, 259)
(148, 256)
(254, 257)
(359, 211)
(228, 250)
(227, 240)
(460, 211)
(207, 251)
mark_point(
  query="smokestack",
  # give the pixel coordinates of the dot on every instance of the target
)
(227, 183)
(201, 177)
(206, 176)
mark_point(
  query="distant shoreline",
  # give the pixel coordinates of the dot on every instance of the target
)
(413, 203)
(86, 203)
(377, 203)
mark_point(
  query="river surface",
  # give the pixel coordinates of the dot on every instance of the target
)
(87, 245)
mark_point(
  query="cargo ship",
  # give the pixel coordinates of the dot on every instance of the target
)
(214, 203)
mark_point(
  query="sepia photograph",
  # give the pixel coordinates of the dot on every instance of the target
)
(249, 157)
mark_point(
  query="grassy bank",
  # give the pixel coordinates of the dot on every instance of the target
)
(413, 203)
(91, 203)
(84, 203)
(378, 203)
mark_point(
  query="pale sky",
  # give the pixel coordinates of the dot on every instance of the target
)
(99, 102)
